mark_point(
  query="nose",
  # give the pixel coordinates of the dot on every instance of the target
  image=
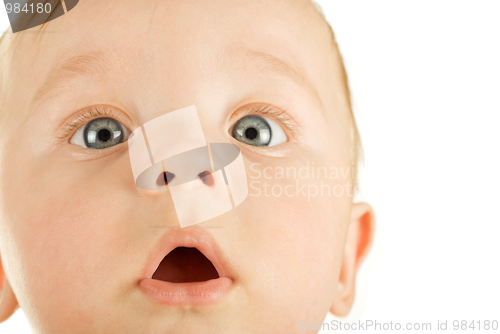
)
(204, 180)
(166, 177)
(194, 165)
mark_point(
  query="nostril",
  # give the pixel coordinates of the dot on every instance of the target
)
(207, 178)
(164, 178)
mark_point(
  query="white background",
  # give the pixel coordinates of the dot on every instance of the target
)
(425, 78)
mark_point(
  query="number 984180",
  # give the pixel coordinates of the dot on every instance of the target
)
(31, 8)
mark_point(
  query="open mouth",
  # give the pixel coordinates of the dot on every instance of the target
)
(193, 272)
(185, 265)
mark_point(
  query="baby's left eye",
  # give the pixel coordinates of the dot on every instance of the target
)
(257, 130)
(100, 133)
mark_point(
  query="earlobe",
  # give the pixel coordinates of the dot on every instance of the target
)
(8, 300)
(358, 242)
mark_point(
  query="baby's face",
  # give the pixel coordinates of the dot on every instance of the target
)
(78, 236)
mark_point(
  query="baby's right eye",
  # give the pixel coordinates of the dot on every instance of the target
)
(100, 133)
(257, 130)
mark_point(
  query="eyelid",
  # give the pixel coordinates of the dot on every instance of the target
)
(279, 114)
(85, 115)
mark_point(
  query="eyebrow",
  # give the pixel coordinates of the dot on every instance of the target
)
(282, 66)
(106, 61)
(91, 63)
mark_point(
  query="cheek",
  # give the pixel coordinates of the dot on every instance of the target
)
(68, 228)
(296, 240)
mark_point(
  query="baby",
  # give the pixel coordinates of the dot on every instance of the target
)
(85, 250)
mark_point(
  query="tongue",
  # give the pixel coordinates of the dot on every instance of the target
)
(183, 265)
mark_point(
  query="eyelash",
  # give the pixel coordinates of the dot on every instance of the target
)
(96, 112)
(84, 116)
(280, 115)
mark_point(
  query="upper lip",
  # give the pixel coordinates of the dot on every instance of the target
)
(194, 238)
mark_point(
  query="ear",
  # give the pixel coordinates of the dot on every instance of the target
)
(358, 242)
(8, 301)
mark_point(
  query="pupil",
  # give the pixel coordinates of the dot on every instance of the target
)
(251, 133)
(104, 135)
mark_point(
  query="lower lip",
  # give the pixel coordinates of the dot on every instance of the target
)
(192, 293)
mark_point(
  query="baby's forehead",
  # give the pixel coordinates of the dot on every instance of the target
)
(260, 20)
(283, 29)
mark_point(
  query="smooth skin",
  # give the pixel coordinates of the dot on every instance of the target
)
(75, 231)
